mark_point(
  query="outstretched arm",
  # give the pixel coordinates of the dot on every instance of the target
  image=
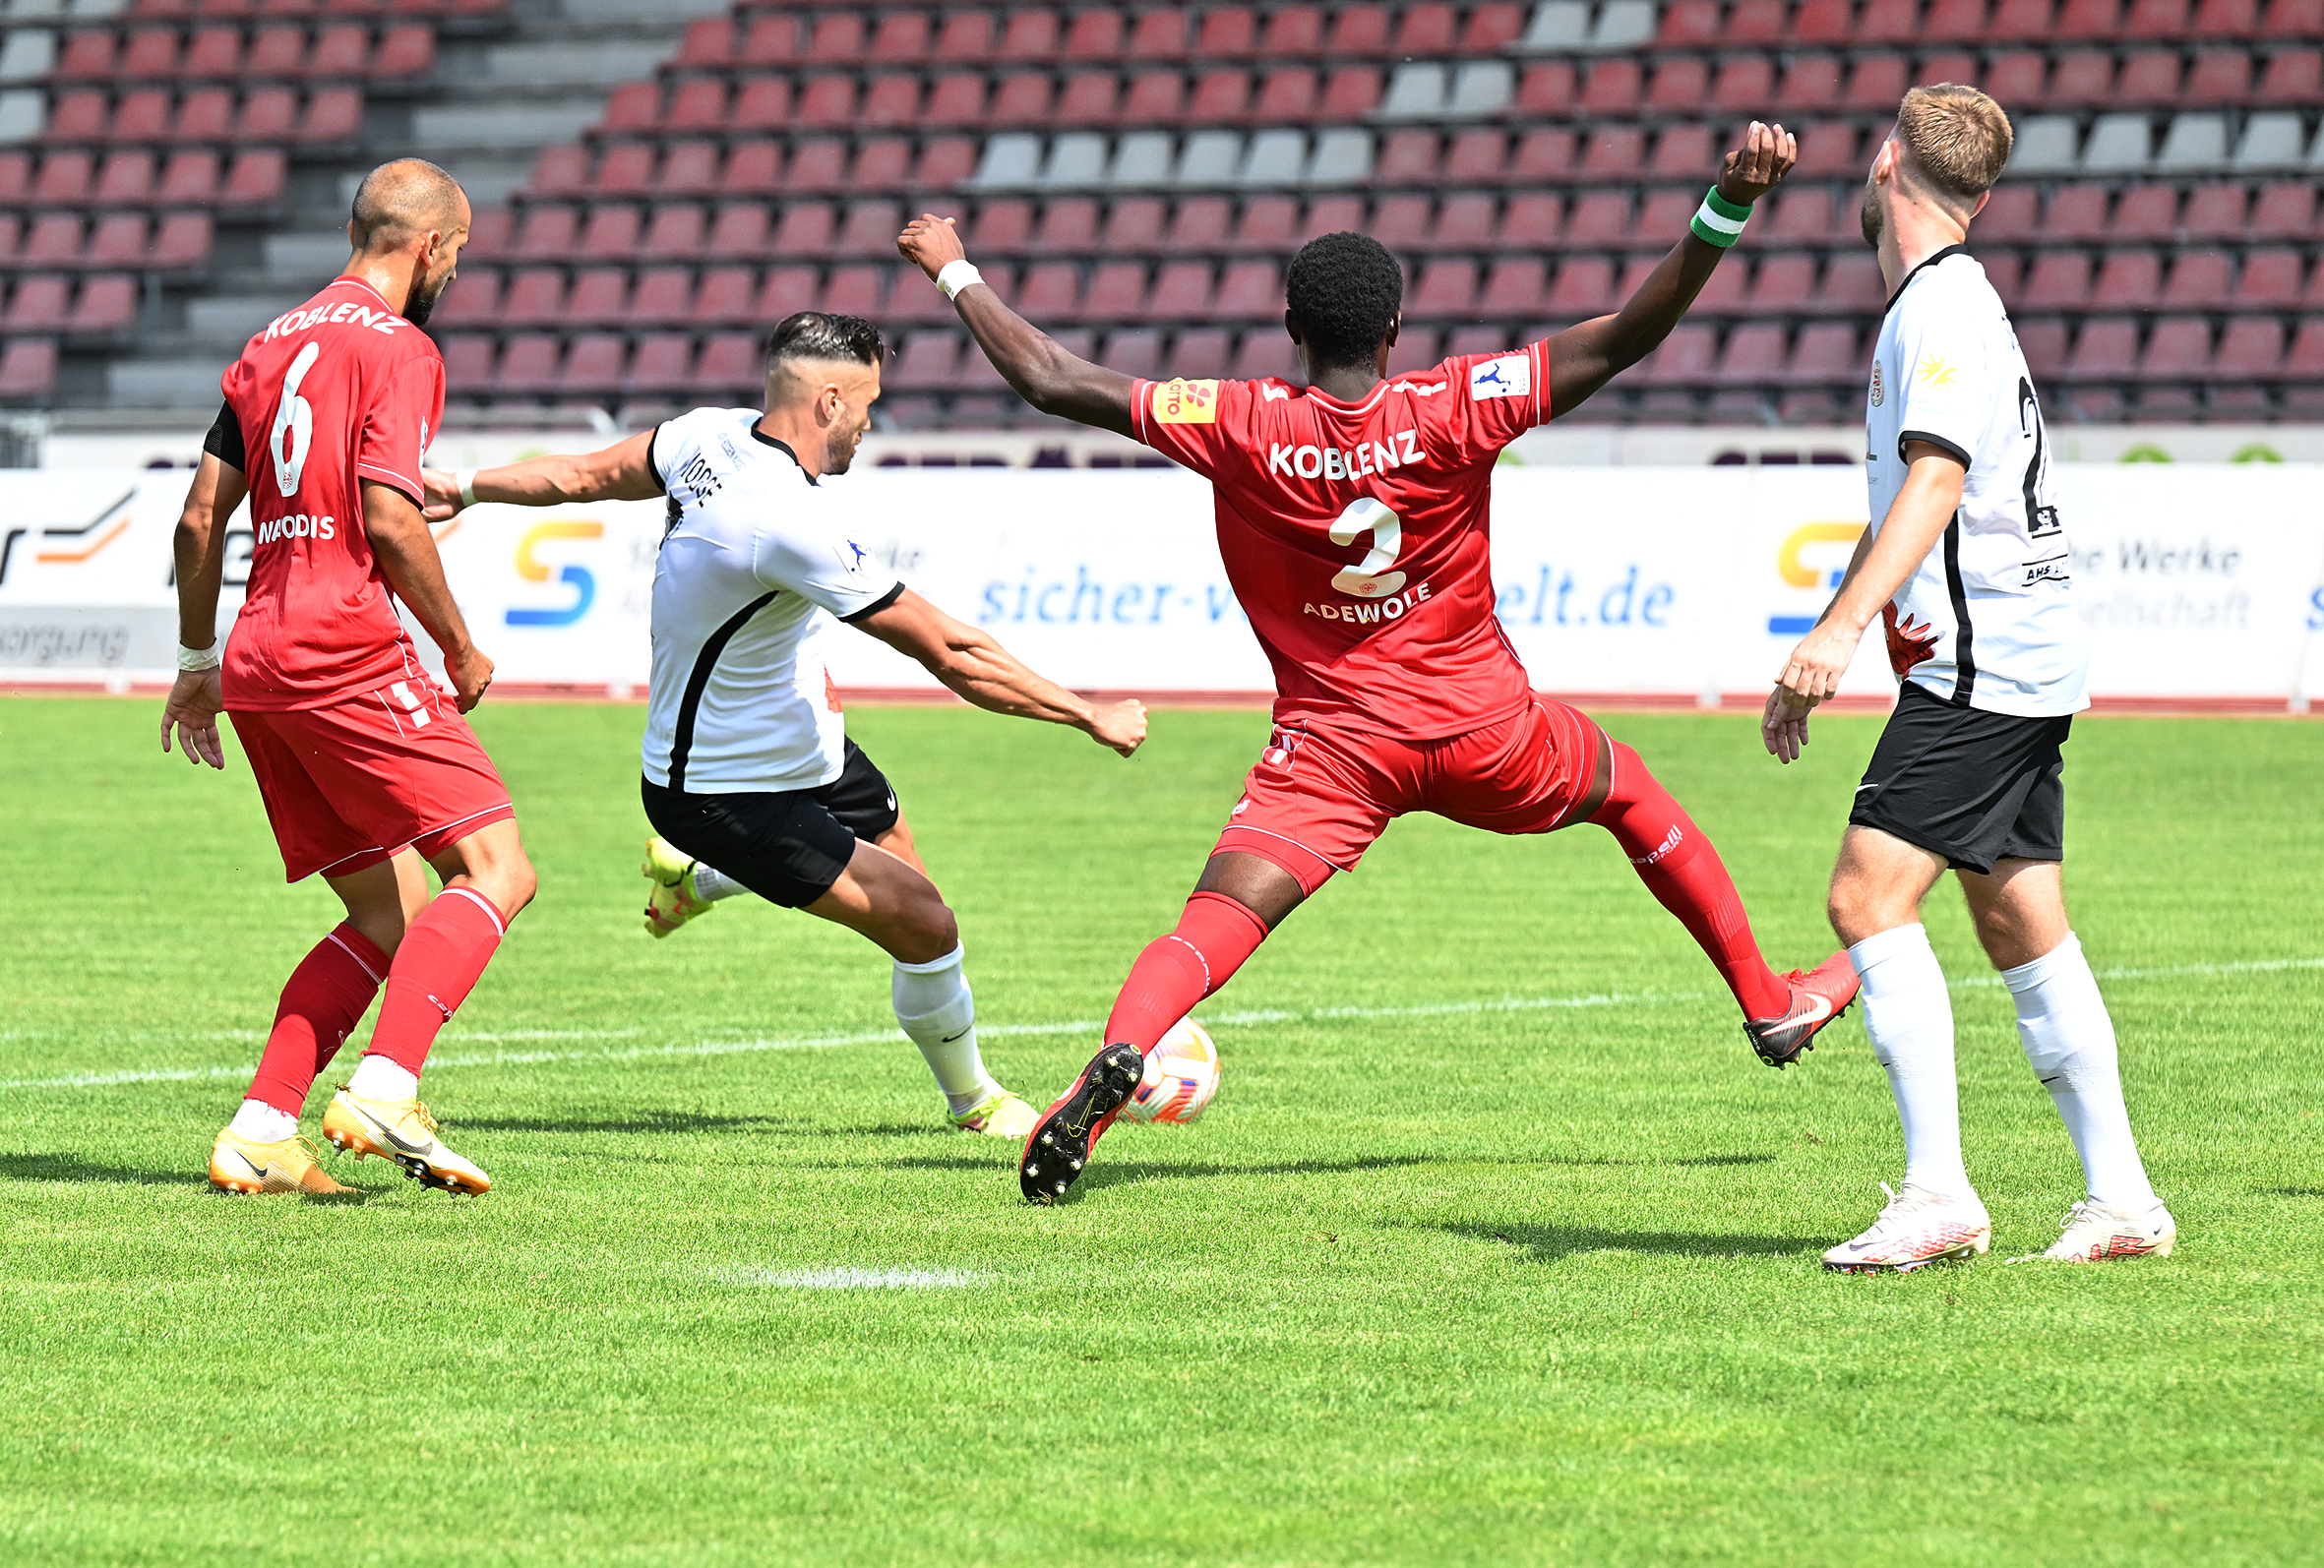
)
(622, 472)
(199, 545)
(1033, 363)
(981, 670)
(1931, 494)
(1584, 358)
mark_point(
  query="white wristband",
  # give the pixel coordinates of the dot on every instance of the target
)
(957, 275)
(466, 478)
(192, 661)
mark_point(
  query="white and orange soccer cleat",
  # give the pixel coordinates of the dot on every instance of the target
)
(243, 1165)
(2095, 1232)
(1918, 1227)
(402, 1133)
(670, 900)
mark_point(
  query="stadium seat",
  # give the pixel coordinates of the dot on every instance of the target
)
(37, 305)
(1134, 223)
(1402, 222)
(2149, 75)
(2294, 78)
(1532, 220)
(2250, 349)
(529, 363)
(105, 305)
(1444, 288)
(2270, 280)
(2059, 280)
(1267, 224)
(2198, 281)
(472, 301)
(2077, 213)
(1182, 291)
(1481, 157)
(2104, 350)
(1517, 287)
(626, 170)
(1684, 358)
(1890, 21)
(1753, 354)
(1069, 227)
(663, 363)
(1250, 291)
(2128, 280)
(256, 177)
(1613, 89)
(119, 240)
(1876, 84)
(1781, 284)
(1954, 22)
(731, 362)
(1681, 85)
(725, 294)
(2216, 212)
(467, 363)
(27, 370)
(2178, 349)
(2145, 213)
(2043, 341)
(2081, 79)
(1599, 218)
(763, 105)
(600, 296)
(535, 297)
(1614, 152)
(1583, 287)
(1464, 222)
(1683, 152)
(854, 291)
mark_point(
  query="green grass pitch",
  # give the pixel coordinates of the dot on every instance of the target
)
(1496, 1248)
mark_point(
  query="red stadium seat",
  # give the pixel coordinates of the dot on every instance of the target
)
(600, 296)
(1134, 223)
(256, 178)
(902, 38)
(15, 177)
(27, 370)
(1684, 151)
(474, 300)
(39, 305)
(1266, 354)
(1756, 22)
(1159, 35)
(2198, 280)
(1182, 291)
(1681, 85)
(1090, 97)
(1954, 22)
(1135, 353)
(1350, 91)
(1052, 292)
(1023, 99)
(697, 105)
(529, 363)
(2178, 349)
(732, 362)
(2220, 78)
(1599, 218)
(957, 99)
(561, 171)
(2001, 269)
(1583, 287)
(2082, 79)
(144, 115)
(2226, 19)
(2128, 280)
(1221, 97)
(1517, 287)
(1294, 31)
(2019, 75)
(689, 168)
(1892, 22)
(1662, 220)
(634, 108)
(1287, 93)
(2285, 209)
(966, 39)
(945, 162)
(1094, 35)
(404, 51)
(64, 178)
(1408, 158)
(2157, 21)
(1853, 284)
(2012, 212)
(1250, 291)
(2215, 212)
(1427, 26)
(817, 166)
(2250, 349)
(126, 180)
(1826, 22)
(870, 229)
(664, 294)
(854, 290)
(1465, 222)
(883, 164)
(332, 114)
(708, 45)
(1334, 214)
(740, 231)
(467, 363)
(275, 52)
(2042, 341)
(89, 57)
(1359, 30)
(1533, 220)
(2077, 213)
(1613, 88)
(550, 233)
(1830, 151)
(726, 294)
(79, 116)
(610, 234)
(1116, 291)
(2293, 77)
(535, 297)
(1546, 90)
(1954, 66)
(1746, 86)
(626, 170)
(2059, 280)
(2088, 21)
(2269, 278)
(753, 168)
(1229, 33)
(1069, 227)
(1689, 24)
(827, 104)
(151, 52)
(1495, 24)
(1155, 98)
(1479, 157)
(1877, 84)
(1781, 285)
(2149, 75)
(106, 304)
(2294, 20)
(1614, 152)
(763, 105)
(805, 229)
(1202, 351)
(1683, 359)
(1803, 216)
(1825, 354)
(1267, 224)
(676, 231)
(119, 240)
(664, 363)
(342, 51)
(1002, 225)
(1029, 36)
(785, 291)
(837, 38)
(55, 241)
(1401, 222)
(1755, 354)
(2146, 212)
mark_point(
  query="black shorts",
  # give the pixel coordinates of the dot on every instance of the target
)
(789, 846)
(1972, 786)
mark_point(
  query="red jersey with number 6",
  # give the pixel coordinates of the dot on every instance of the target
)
(335, 392)
(1357, 535)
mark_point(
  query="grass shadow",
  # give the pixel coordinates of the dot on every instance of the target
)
(1548, 1244)
(1114, 1174)
(649, 1123)
(72, 1168)
(2294, 1192)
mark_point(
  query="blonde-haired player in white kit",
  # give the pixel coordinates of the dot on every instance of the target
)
(1967, 564)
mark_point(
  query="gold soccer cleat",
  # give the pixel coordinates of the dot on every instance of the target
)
(670, 902)
(401, 1131)
(242, 1165)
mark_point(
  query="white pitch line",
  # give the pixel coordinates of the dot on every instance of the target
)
(730, 1047)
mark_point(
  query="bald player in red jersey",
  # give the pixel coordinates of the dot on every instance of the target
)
(1353, 520)
(367, 768)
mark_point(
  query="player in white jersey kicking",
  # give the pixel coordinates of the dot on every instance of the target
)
(750, 781)
(1966, 561)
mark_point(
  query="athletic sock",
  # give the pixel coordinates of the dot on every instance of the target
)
(1680, 868)
(934, 1006)
(437, 965)
(326, 998)
(1909, 1014)
(1213, 937)
(711, 885)
(2063, 1023)
(378, 1078)
(261, 1122)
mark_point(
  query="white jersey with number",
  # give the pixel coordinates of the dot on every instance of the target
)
(1995, 593)
(755, 563)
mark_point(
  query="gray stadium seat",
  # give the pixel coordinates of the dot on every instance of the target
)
(1010, 160)
(2270, 141)
(1559, 26)
(1140, 157)
(1343, 157)
(1624, 24)
(2119, 144)
(2044, 144)
(1210, 158)
(2194, 141)
(1079, 158)
(1480, 87)
(1415, 92)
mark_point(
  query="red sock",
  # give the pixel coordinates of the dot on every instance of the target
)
(329, 992)
(1213, 938)
(1679, 866)
(436, 967)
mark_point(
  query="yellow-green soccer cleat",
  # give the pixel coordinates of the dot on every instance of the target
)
(402, 1132)
(1001, 1115)
(670, 902)
(244, 1164)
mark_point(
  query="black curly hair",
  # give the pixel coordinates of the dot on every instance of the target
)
(1346, 290)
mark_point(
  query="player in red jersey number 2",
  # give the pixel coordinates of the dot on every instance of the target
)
(1353, 518)
(365, 765)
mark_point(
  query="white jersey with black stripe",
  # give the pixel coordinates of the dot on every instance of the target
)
(755, 565)
(1995, 593)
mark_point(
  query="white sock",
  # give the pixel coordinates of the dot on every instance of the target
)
(2062, 1022)
(261, 1122)
(1909, 1014)
(378, 1078)
(934, 1006)
(710, 886)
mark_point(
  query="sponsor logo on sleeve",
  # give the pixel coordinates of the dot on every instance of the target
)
(1186, 402)
(1510, 376)
(1879, 386)
(853, 557)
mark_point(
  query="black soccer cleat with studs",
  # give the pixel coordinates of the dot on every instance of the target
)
(1058, 1147)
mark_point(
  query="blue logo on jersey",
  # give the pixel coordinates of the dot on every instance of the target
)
(861, 555)
(1488, 376)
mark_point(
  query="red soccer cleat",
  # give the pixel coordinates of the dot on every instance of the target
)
(1059, 1145)
(1818, 995)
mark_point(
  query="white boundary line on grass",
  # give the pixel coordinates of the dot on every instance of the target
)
(729, 1047)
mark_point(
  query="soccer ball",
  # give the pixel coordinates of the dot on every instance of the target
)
(1181, 1076)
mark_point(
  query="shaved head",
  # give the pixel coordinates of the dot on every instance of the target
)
(398, 202)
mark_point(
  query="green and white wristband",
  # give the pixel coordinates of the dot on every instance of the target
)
(1718, 221)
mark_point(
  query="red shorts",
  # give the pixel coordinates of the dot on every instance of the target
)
(1317, 799)
(347, 786)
